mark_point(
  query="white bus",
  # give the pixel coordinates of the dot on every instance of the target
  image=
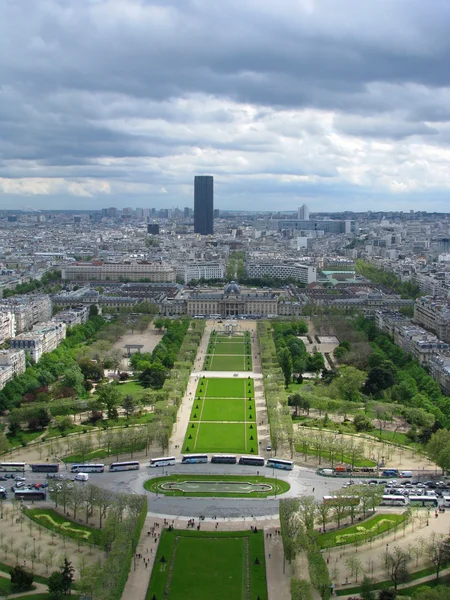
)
(89, 468)
(391, 500)
(192, 459)
(125, 466)
(424, 501)
(165, 461)
(12, 466)
(278, 463)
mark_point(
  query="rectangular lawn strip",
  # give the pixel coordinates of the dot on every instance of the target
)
(229, 348)
(231, 409)
(216, 437)
(229, 363)
(50, 519)
(374, 526)
(223, 388)
(209, 565)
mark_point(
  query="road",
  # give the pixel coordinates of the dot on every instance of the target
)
(302, 481)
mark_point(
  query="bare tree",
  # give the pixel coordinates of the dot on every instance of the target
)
(396, 565)
(438, 551)
(354, 565)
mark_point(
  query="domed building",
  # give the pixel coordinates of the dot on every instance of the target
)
(231, 288)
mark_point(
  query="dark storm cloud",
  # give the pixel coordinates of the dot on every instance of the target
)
(149, 92)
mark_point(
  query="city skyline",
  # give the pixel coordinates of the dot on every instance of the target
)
(311, 102)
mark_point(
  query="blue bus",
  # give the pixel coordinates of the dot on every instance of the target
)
(192, 459)
(279, 463)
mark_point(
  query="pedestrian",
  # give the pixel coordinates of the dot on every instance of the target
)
(314, 489)
(269, 554)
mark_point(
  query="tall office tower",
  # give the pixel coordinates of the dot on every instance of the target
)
(303, 213)
(187, 212)
(203, 204)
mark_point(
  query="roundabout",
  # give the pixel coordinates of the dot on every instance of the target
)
(217, 486)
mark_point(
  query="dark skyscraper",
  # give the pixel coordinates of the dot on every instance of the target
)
(203, 204)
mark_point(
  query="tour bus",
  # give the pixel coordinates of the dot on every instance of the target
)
(164, 461)
(256, 461)
(12, 466)
(391, 500)
(88, 468)
(341, 500)
(131, 465)
(224, 458)
(446, 500)
(21, 494)
(278, 463)
(192, 459)
(45, 468)
(425, 501)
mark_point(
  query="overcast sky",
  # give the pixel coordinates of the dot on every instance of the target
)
(340, 104)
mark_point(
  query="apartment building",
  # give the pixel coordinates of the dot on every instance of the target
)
(127, 270)
(12, 362)
(28, 310)
(45, 337)
(75, 315)
(303, 273)
(433, 314)
(196, 271)
(7, 324)
(440, 371)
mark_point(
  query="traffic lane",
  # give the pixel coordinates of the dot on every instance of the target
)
(302, 481)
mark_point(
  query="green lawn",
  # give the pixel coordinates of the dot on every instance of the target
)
(227, 347)
(227, 363)
(52, 520)
(221, 437)
(132, 388)
(209, 565)
(23, 437)
(281, 486)
(225, 388)
(362, 532)
(232, 409)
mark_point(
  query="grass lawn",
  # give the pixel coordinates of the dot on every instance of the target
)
(395, 437)
(52, 520)
(362, 532)
(227, 347)
(132, 388)
(227, 363)
(23, 437)
(103, 453)
(221, 437)
(225, 388)
(232, 409)
(281, 486)
(209, 565)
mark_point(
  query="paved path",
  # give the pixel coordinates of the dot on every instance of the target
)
(278, 572)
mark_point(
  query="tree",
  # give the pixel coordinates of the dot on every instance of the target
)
(290, 527)
(63, 423)
(306, 512)
(362, 423)
(348, 385)
(396, 565)
(323, 511)
(440, 592)
(67, 572)
(55, 584)
(129, 405)
(285, 362)
(158, 323)
(300, 402)
(380, 378)
(438, 551)
(109, 396)
(21, 579)
(154, 376)
(367, 592)
(438, 448)
(387, 594)
(354, 565)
